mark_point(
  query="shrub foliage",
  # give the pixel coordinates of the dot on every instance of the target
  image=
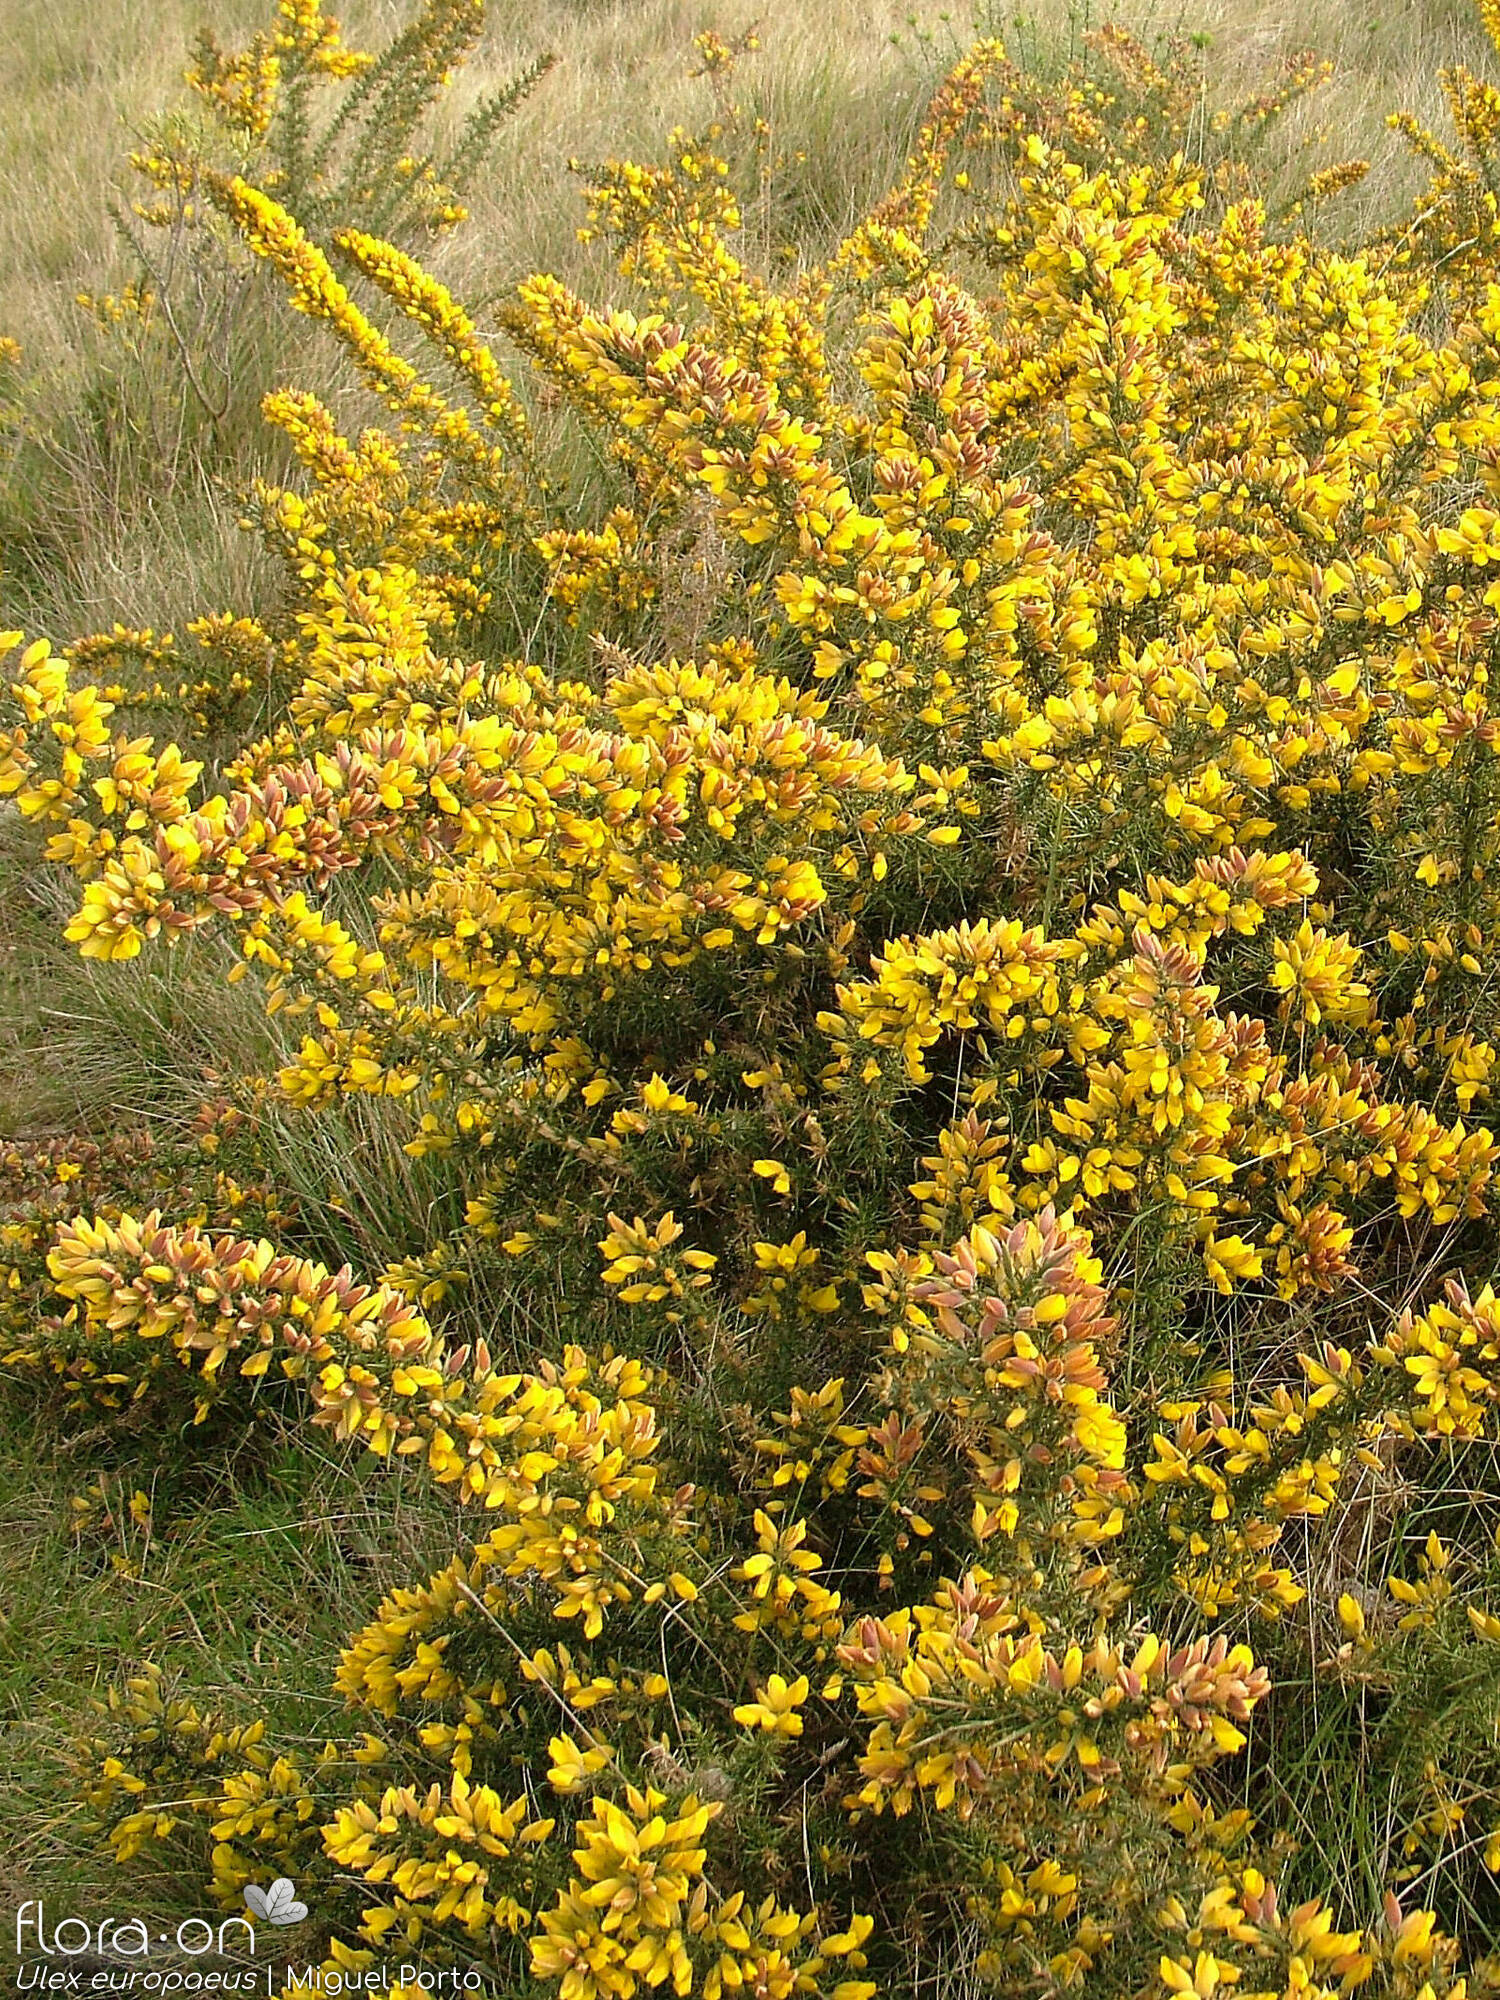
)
(936, 911)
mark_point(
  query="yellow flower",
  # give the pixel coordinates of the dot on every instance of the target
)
(775, 1707)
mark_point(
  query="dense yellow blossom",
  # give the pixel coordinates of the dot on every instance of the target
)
(933, 945)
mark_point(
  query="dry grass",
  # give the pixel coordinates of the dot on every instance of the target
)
(1386, 57)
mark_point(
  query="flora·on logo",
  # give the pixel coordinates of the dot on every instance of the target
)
(72, 1936)
(276, 1905)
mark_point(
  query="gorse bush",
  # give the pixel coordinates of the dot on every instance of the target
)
(364, 157)
(939, 948)
(172, 365)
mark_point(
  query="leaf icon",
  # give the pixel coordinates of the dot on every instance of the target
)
(276, 1905)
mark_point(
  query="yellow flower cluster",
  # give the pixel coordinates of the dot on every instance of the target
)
(242, 87)
(367, 154)
(168, 1764)
(157, 1302)
(638, 1913)
(941, 935)
(924, 1676)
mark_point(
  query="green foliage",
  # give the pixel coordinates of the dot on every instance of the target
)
(892, 999)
